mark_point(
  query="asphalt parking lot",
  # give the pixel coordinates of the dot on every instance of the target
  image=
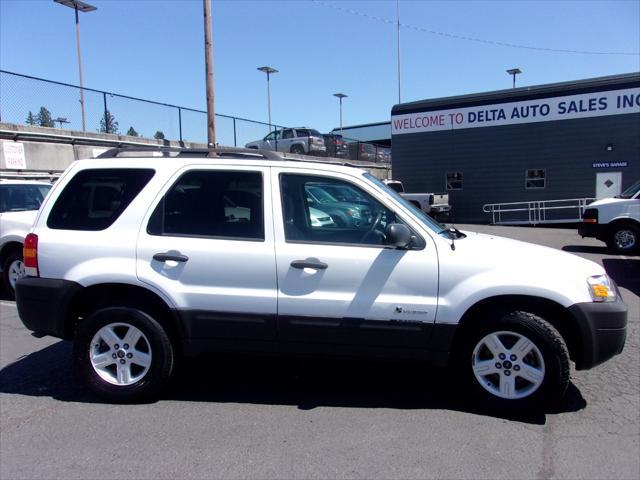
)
(233, 417)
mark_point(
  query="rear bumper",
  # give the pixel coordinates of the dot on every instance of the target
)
(603, 331)
(43, 304)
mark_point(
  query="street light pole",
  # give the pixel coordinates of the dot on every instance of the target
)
(268, 71)
(514, 72)
(340, 97)
(208, 60)
(79, 6)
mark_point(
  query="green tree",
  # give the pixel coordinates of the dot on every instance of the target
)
(159, 135)
(31, 119)
(44, 118)
(132, 132)
(108, 123)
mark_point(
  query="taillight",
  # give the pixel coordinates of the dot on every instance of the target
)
(30, 255)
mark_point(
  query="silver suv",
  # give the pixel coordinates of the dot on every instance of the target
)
(141, 259)
(294, 140)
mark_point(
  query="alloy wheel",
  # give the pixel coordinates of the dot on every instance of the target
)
(120, 354)
(508, 365)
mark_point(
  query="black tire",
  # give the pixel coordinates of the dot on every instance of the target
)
(550, 346)
(299, 149)
(9, 264)
(161, 364)
(623, 239)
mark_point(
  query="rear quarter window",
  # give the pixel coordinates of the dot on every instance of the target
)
(95, 198)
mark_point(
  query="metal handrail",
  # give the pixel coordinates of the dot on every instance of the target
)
(536, 211)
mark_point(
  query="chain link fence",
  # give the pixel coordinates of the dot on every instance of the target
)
(36, 101)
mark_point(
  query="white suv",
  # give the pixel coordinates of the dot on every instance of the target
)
(139, 258)
(19, 204)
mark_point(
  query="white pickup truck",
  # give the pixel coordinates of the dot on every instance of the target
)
(434, 204)
(615, 221)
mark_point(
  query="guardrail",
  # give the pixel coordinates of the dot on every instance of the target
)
(537, 212)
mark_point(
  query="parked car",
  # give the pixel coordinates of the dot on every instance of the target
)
(615, 221)
(301, 140)
(434, 204)
(336, 145)
(165, 270)
(362, 151)
(19, 204)
(343, 213)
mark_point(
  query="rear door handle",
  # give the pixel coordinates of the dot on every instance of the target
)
(315, 264)
(170, 257)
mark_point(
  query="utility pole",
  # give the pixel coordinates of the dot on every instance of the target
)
(398, 16)
(208, 59)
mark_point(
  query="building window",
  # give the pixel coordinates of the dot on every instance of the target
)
(454, 181)
(535, 179)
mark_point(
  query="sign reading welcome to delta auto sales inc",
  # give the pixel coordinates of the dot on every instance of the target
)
(614, 102)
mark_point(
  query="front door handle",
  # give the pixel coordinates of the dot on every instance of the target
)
(315, 264)
(170, 257)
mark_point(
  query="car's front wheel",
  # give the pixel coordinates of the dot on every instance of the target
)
(624, 239)
(518, 362)
(123, 354)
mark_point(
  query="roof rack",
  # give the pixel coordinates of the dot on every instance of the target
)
(168, 151)
(240, 153)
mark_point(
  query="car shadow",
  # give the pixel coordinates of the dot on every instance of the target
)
(306, 383)
(625, 272)
(601, 250)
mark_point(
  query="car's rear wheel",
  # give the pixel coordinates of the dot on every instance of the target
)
(516, 363)
(12, 271)
(297, 149)
(123, 354)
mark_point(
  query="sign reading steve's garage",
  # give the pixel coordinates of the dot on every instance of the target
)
(614, 102)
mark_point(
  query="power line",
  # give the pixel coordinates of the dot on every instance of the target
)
(463, 37)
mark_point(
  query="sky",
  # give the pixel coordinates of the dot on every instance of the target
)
(155, 50)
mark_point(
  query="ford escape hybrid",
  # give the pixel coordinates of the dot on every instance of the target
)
(136, 258)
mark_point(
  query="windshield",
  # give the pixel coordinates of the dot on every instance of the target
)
(425, 219)
(631, 191)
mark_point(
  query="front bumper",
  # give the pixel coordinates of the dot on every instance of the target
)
(43, 304)
(592, 230)
(603, 331)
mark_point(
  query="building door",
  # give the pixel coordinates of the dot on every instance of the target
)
(608, 184)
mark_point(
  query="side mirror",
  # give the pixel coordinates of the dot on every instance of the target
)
(398, 236)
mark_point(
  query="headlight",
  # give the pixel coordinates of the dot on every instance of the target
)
(601, 289)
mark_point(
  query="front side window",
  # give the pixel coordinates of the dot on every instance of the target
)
(95, 198)
(535, 179)
(313, 214)
(217, 204)
(273, 135)
(454, 181)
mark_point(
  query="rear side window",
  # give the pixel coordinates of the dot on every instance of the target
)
(214, 204)
(95, 198)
